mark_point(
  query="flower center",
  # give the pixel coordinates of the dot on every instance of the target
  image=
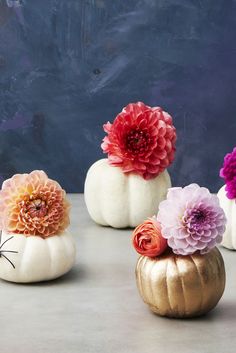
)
(37, 208)
(194, 219)
(137, 141)
(199, 216)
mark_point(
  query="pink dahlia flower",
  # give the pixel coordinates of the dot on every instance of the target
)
(191, 219)
(228, 173)
(33, 204)
(140, 140)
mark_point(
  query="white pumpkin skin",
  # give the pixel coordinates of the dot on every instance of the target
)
(121, 200)
(37, 259)
(229, 207)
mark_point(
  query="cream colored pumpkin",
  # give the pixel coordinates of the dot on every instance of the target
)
(181, 286)
(229, 207)
(122, 200)
(34, 259)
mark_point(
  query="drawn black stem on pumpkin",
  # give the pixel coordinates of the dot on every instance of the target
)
(4, 251)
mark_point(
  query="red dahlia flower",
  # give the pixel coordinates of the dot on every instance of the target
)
(140, 140)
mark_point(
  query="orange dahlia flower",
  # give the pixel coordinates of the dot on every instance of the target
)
(33, 204)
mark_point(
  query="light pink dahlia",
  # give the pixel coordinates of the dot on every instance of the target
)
(141, 140)
(33, 204)
(191, 219)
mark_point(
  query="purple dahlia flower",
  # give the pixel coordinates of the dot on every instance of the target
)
(228, 173)
(191, 219)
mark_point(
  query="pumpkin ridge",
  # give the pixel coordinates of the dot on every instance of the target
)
(167, 179)
(218, 263)
(50, 270)
(139, 275)
(22, 253)
(201, 283)
(68, 243)
(127, 187)
(218, 258)
(100, 208)
(221, 261)
(228, 239)
(151, 286)
(167, 287)
(213, 259)
(232, 230)
(229, 207)
(181, 281)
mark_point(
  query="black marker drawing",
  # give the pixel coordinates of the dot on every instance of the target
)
(6, 251)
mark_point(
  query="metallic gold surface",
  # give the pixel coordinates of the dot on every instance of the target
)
(181, 286)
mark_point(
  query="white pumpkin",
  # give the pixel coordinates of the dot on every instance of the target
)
(229, 207)
(121, 200)
(34, 259)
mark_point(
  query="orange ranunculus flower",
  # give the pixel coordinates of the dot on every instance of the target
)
(147, 238)
(33, 204)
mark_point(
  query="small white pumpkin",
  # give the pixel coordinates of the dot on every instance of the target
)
(229, 207)
(34, 259)
(121, 200)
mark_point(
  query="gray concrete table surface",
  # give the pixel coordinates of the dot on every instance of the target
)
(96, 307)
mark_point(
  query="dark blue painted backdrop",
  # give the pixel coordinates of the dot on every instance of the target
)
(68, 66)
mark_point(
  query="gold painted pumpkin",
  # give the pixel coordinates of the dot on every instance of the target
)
(181, 286)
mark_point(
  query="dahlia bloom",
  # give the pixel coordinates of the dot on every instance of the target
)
(191, 219)
(147, 238)
(33, 204)
(140, 140)
(228, 173)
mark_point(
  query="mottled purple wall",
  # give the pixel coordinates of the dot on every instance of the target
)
(68, 66)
